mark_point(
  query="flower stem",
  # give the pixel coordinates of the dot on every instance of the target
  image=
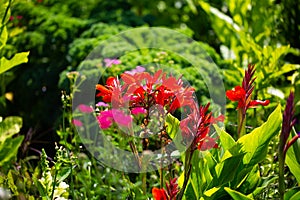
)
(187, 171)
(241, 122)
(281, 158)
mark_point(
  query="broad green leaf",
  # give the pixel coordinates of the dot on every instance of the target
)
(172, 124)
(189, 192)
(9, 127)
(9, 149)
(237, 195)
(251, 181)
(200, 176)
(255, 144)
(226, 140)
(173, 130)
(227, 169)
(292, 163)
(296, 196)
(292, 194)
(16, 60)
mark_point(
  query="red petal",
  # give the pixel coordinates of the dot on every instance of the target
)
(236, 94)
(207, 143)
(254, 103)
(159, 194)
(220, 118)
(127, 78)
(110, 81)
(102, 89)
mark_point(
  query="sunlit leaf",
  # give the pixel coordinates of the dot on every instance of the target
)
(226, 140)
(255, 144)
(292, 163)
(16, 60)
(237, 195)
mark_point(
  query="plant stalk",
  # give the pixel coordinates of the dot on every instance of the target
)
(241, 122)
(281, 158)
(187, 171)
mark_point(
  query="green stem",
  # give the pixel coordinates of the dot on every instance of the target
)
(281, 158)
(54, 183)
(187, 171)
(241, 123)
(144, 182)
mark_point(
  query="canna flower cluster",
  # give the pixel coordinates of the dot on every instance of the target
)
(138, 92)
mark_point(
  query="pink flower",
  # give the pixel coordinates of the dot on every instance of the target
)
(109, 62)
(107, 117)
(138, 69)
(102, 104)
(121, 118)
(76, 122)
(85, 108)
(138, 110)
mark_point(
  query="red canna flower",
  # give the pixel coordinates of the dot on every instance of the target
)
(243, 94)
(196, 127)
(237, 94)
(159, 194)
(106, 91)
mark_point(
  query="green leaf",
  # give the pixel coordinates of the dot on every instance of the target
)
(236, 195)
(9, 127)
(192, 6)
(3, 37)
(265, 183)
(292, 163)
(201, 176)
(227, 169)
(63, 174)
(283, 70)
(173, 130)
(16, 60)
(255, 144)
(296, 146)
(226, 140)
(295, 196)
(211, 191)
(9, 149)
(11, 183)
(292, 194)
